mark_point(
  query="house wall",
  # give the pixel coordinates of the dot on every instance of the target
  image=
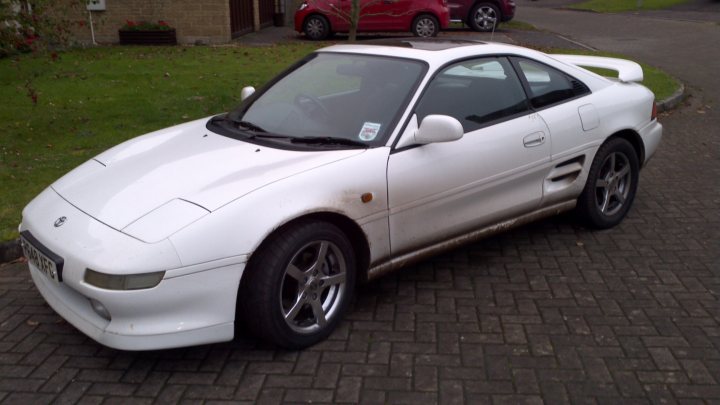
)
(195, 21)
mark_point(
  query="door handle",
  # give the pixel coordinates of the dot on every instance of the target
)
(534, 139)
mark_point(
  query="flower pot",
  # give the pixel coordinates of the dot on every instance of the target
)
(150, 37)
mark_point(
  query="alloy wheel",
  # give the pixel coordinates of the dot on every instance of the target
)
(485, 18)
(613, 184)
(313, 286)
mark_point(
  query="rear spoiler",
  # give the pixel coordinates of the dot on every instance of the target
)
(628, 71)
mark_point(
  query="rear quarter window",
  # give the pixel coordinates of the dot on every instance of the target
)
(547, 85)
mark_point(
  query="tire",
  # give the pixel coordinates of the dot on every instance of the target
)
(611, 185)
(316, 27)
(483, 16)
(298, 284)
(426, 26)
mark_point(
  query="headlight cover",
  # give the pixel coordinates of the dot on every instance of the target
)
(123, 282)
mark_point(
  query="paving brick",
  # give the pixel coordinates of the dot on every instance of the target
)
(285, 381)
(28, 398)
(697, 372)
(525, 381)
(249, 387)
(209, 392)
(73, 393)
(58, 381)
(373, 397)
(517, 399)
(20, 384)
(348, 390)
(270, 396)
(425, 379)
(309, 395)
(628, 384)
(411, 398)
(112, 389)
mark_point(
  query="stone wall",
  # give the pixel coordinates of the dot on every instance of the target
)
(196, 21)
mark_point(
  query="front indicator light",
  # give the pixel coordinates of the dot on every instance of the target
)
(100, 309)
(123, 282)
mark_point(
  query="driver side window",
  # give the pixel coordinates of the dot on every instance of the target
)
(476, 92)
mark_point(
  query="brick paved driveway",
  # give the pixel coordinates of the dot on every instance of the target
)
(548, 313)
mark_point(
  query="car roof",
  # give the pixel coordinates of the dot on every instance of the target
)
(438, 52)
(430, 49)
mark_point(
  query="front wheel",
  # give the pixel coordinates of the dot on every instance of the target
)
(611, 185)
(299, 284)
(425, 25)
(316, 27)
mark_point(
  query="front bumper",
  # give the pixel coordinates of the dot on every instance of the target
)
(192, 304)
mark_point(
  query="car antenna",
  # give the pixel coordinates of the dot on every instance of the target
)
(492, 34)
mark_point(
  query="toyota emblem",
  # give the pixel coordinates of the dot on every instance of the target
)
(60, 221)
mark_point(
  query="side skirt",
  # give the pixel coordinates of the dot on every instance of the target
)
(432, 250)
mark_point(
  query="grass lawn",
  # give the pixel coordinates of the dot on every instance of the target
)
(510, 25)
(518, 25)
(616, 6)
(89, 100)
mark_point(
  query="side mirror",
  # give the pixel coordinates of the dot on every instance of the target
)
(438, 128)
(246, 92)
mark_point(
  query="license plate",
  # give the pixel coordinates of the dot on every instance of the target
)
(41, 257)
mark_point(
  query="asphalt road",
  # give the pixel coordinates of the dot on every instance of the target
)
(549, 313)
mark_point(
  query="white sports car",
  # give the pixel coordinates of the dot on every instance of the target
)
(354, 162)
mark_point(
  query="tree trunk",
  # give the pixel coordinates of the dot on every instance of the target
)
(354, 20)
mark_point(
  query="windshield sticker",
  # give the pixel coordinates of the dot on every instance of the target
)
(369, 131)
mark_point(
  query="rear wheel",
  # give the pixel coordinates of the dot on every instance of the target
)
(316, 27)
(425, 25)
(299, 284)
(484, 17)
(611, 185)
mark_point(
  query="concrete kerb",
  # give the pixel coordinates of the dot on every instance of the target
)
(11, 250)
(672, 101)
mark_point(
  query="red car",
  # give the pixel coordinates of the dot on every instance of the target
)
(482, 15)
(424, 18)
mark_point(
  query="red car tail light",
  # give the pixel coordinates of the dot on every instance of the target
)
(653, 115)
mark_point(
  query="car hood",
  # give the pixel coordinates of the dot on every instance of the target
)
(186, 162)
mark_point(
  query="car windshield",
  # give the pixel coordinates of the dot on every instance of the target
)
(342, 98)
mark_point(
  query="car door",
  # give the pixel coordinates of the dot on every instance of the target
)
(494, 172)
(336, 11)
(561, 101)
(384, 15)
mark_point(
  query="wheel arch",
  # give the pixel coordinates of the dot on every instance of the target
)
(350, 228)
(635, 140)
(495, 3)
(317, 14)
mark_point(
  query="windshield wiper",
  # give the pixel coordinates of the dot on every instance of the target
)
(247, 125)
(329, 140)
